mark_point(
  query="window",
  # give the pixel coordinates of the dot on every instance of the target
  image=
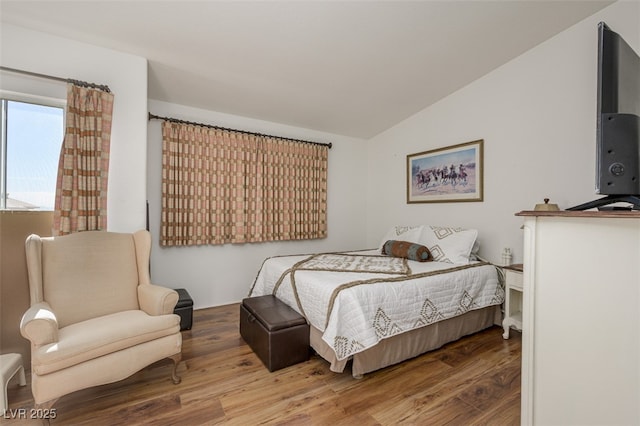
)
(32, 134)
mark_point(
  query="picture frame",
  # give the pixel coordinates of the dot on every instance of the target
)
(444, 175)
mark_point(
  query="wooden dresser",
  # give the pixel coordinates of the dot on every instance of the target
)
(581, 318)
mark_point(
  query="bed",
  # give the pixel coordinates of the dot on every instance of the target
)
(376, 308)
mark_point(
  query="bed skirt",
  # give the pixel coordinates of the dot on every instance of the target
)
(408, 345)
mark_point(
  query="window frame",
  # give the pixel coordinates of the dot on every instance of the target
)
(5, 97)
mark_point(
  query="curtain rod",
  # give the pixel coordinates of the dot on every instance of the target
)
(176, 120)
(102, 87)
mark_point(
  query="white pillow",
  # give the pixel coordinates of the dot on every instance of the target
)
(474, 251)
(402, 233)
(447, 244)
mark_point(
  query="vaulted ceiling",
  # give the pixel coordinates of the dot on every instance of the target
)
(353, 68)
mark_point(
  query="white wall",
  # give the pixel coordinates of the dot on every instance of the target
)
(218, 275)
(126, 76)
(537, 116)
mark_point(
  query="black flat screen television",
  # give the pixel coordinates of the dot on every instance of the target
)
(618, 124)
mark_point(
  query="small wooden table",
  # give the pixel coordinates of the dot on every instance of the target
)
(513, 298)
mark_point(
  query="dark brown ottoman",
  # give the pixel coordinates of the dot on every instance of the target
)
(276, 333)
(184, 308)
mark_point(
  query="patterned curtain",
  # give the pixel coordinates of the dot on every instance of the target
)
(221, 186)
(81, 190)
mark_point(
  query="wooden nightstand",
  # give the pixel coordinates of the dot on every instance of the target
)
(513, 299)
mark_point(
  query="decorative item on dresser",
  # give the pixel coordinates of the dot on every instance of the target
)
(546, 207)
(513, 298)
(581, 318)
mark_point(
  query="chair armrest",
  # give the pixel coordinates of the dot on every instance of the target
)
(39, 324)
(157, 300)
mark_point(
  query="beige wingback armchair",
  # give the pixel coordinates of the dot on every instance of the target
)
(95, 317)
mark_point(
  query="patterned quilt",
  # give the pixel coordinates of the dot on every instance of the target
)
(357, 299)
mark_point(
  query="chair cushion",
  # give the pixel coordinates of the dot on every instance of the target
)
(100, 336)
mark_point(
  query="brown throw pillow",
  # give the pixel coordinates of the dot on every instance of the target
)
(407, 250)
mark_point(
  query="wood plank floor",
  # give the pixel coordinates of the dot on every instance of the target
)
(474, 381)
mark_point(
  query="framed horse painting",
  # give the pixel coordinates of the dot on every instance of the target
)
(450, 174)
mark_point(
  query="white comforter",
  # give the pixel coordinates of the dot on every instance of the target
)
(357, 299)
